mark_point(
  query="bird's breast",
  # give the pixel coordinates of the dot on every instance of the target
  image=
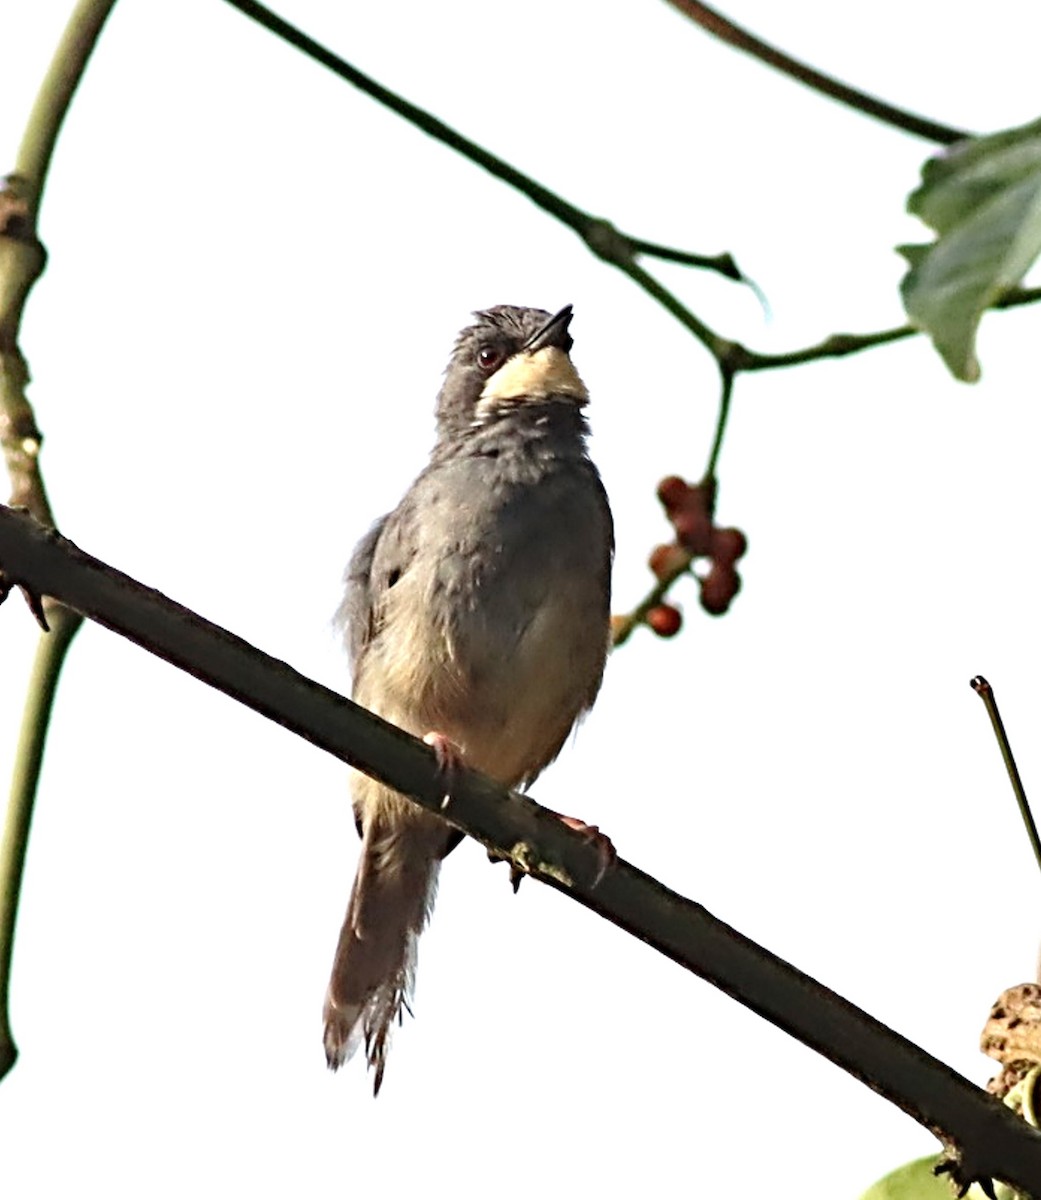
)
(497, 634)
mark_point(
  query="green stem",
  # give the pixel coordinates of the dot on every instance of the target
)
(726, 391)
(56, 92)
(838, 345)
(21, 263)
(50, 654)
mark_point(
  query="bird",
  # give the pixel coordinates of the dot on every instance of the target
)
(476, 615)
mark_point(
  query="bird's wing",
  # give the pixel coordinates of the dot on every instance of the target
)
(355, 617)
(380, 559)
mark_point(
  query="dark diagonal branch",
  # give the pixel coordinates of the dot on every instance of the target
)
(988, 1138)
(725, 29)
(22, 260)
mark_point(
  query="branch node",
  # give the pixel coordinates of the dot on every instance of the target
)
(726, 265)
(608, 243)
(524, 858)
(16, 212)
(732, 357)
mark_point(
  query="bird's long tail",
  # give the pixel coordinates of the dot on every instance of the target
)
(375, 962)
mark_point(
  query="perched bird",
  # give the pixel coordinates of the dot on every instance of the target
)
(477, 616)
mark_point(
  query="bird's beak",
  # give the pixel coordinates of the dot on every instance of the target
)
(553, 333)
(539, 369)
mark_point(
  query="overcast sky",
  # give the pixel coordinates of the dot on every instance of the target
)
(255, 278)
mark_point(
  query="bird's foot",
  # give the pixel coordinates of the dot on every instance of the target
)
(449, 760)
(606, 853)
(449, 756)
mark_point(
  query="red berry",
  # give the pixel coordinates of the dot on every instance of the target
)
(728, 545)
(694, 531)
(718, 588)
(668, 561)
(673, 492)
(665, 620)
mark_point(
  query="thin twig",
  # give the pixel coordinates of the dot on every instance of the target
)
(838, 345)
(607, 242)
(591, 229)
(988, 1137)
(22, 260)
(723, 263)
(986, 693)
(725, 29)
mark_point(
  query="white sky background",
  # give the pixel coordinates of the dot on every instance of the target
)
(255, 278)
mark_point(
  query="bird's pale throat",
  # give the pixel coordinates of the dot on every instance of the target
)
(534, 376)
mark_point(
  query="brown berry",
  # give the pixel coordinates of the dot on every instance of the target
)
(673, 492)
(665, 620)
(728, 545)
(668, 561)
(718, 588)
(694, 531)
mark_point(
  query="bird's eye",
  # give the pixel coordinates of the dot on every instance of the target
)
(490, 358)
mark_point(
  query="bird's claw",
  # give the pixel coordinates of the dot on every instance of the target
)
(449, 756)
(606, 853)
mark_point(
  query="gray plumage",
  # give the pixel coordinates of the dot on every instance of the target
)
(478, 609)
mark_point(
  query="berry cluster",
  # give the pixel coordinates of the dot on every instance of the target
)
(690, 508)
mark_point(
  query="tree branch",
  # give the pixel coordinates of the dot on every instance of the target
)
(725, 29)
(988, 1138)
(22, 259)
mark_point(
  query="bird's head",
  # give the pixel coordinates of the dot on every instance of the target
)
(507, 359)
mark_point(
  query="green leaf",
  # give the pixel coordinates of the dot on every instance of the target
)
(983, 198)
